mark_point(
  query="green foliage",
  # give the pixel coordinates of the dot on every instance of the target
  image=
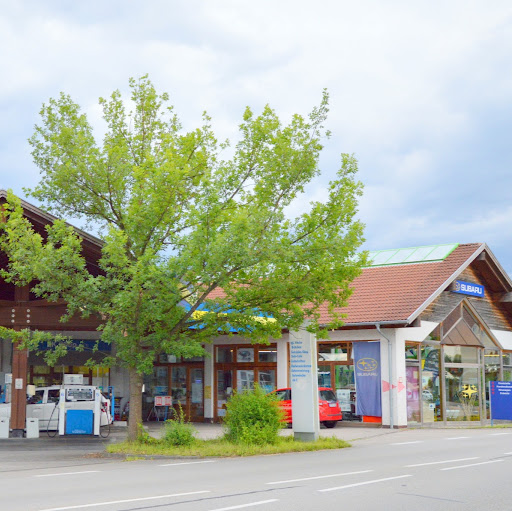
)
(220, 447)
(143, 437)
(178, 220)
(178, 431)
(253, 417)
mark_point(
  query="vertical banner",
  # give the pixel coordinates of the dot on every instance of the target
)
(368, 382)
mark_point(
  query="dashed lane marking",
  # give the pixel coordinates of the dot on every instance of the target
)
(365, 482)
(471, 465)
(251, 504)
(440, 462)
(68, 473)
(320, 477)
(125, 501)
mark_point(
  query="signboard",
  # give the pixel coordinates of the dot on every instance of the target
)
(304, 384)
(367, 376)
(468, 288)
(343, 396)
(163, 400)
(500, 395)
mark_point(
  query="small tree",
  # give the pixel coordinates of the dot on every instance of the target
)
(179, 221)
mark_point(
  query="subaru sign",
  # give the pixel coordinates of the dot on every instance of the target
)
(468, 288)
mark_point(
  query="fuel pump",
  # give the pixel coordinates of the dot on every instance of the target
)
(82, 410)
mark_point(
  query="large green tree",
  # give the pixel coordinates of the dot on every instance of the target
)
(182, 215)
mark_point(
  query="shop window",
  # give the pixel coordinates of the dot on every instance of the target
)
(245, 355)
(412, 352)
(332, 353)
(430, 384)
(225, 355)
(460, 354)
(267, 355)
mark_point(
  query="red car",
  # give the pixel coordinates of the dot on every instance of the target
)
(330, 412)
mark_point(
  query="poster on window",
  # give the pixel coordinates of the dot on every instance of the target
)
(367, 373)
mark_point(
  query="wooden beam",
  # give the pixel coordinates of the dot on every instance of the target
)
(506, 297)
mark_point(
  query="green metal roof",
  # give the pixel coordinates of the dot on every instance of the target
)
(411, 254)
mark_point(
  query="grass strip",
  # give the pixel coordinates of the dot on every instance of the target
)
(220, 447)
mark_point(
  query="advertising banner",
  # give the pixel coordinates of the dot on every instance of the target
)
(368, 382)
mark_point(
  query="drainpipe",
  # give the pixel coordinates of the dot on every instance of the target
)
(390, 376)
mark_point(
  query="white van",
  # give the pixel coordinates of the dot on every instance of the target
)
(44, 404)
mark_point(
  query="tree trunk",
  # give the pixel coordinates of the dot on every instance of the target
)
(135, 416)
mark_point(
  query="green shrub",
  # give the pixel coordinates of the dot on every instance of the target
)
(178, 431)
(253, 417)
(143, 437)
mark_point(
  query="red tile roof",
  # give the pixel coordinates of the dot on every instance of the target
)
(394, 293)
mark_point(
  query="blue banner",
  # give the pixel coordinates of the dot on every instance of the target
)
(500, 394)
(367, 374)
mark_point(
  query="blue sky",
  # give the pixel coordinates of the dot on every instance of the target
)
(421, 92)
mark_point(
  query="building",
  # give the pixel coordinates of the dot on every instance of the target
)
(442, 316)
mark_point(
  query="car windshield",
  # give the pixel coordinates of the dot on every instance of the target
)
(283, 395)
(327, 395)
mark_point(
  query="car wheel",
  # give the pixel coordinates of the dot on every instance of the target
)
(330, 424)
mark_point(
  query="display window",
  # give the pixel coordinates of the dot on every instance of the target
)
(238, 367)
(336, 371)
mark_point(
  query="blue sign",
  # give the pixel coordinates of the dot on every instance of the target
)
(368, 383)
(500, 395)
(467, 288)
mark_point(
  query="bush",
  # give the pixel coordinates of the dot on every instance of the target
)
(143, 437)
(253, 417)
(178, 431)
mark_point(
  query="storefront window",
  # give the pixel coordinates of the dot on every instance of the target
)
(412, 374)
(460, 354)
(462, 394)
(332, 353)
(267, 355)
(245, 355)
(267, 379)
(430, 384)
(224, 390)
(225, 355)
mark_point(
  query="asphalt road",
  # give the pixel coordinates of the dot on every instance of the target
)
(410, 470)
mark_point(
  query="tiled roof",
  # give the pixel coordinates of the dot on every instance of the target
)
(394, 293)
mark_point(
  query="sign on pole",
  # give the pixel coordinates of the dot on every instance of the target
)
(500, 399)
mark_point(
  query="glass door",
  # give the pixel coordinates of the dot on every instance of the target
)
(187, 391)
(462, 394)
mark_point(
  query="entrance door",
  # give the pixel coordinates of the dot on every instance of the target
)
(187, 391)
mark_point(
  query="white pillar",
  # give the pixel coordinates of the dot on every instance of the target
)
(393, 385)
(282, 363)
(304, 384)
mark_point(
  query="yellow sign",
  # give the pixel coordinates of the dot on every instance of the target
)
(207, 392)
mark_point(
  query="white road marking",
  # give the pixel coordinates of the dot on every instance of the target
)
(507, 453)
(497, 434)
(457, 438)
(319, 477)
(185, 463)
(365, 482)
(124, 501)
(439, 462)
(471, 465)
(68, 473)
(259, 503)
(408, 443)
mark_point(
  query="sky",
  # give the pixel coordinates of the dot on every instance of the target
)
(420, 92)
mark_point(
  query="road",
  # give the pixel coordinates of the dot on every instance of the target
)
(462, 469)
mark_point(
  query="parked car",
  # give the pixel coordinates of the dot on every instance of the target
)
(329, 408)
(43, 404)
